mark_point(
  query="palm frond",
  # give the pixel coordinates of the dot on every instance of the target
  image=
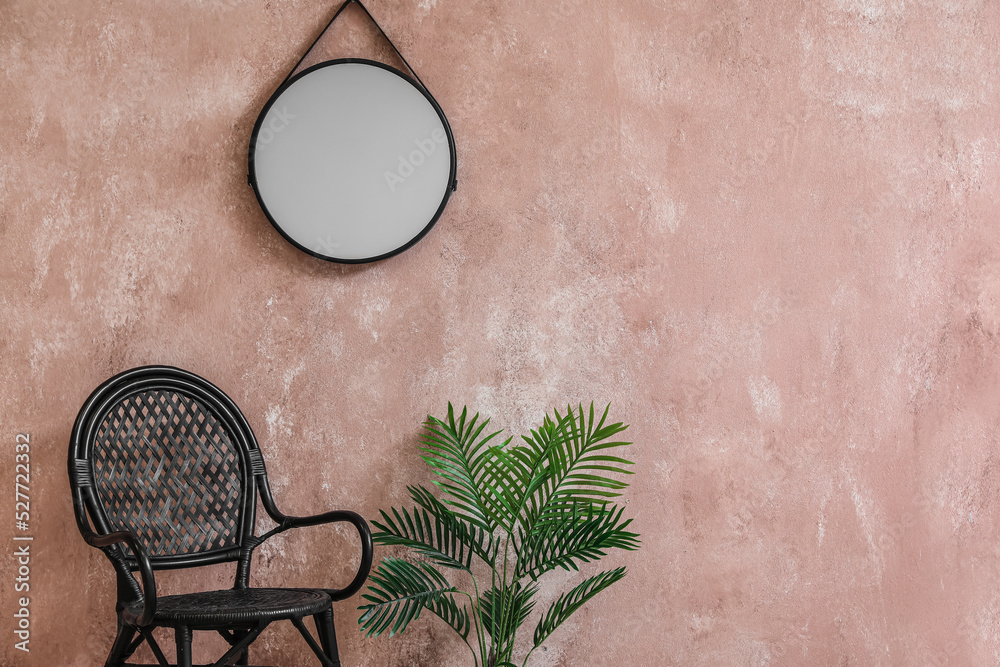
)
(458, 452)
(568, 603)
(503, 609)
(475, 538)
(511, 481)
(578, 537)
(455, 615)
(398, 591)
(580, 467)
(438, 539)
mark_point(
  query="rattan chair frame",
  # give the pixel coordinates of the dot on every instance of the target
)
(190, 417)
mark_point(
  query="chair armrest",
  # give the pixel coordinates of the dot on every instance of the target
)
(145, 569)
(367, 550)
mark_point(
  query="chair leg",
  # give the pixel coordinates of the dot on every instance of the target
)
(120, 649)
(183, 637)
(244, 658)
(327, 635)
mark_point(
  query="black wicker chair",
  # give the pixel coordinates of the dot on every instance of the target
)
(165, 473)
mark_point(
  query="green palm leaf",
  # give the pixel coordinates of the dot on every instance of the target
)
(399, 590)
(580, 537)
(544, 444)
(459, 453)
(511, 481)
(503, 609)
(475, 538)
(433, 531)
(452, 613)
(427, 535)
(579, 464)
(568, 603)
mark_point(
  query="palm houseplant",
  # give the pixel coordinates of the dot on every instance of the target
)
(509, 511)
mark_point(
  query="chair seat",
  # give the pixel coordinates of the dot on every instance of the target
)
(232, 607)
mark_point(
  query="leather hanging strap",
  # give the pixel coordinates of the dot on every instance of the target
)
(372, 18)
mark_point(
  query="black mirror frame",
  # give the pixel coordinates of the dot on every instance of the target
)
(252, 174)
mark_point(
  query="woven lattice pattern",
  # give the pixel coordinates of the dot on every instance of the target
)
(166, 469)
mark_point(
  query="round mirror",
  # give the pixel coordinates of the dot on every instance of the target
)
(352, 161)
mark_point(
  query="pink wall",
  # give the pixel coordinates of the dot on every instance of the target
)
(767, 232)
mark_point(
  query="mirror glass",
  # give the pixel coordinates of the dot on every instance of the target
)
(352, 161)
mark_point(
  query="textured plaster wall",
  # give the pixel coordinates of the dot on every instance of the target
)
(766, 232)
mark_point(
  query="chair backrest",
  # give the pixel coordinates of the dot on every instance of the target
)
(167, 455)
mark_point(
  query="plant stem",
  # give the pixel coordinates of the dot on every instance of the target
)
(503, 621)
(493, 611)
(475, 658)
(476, 610)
